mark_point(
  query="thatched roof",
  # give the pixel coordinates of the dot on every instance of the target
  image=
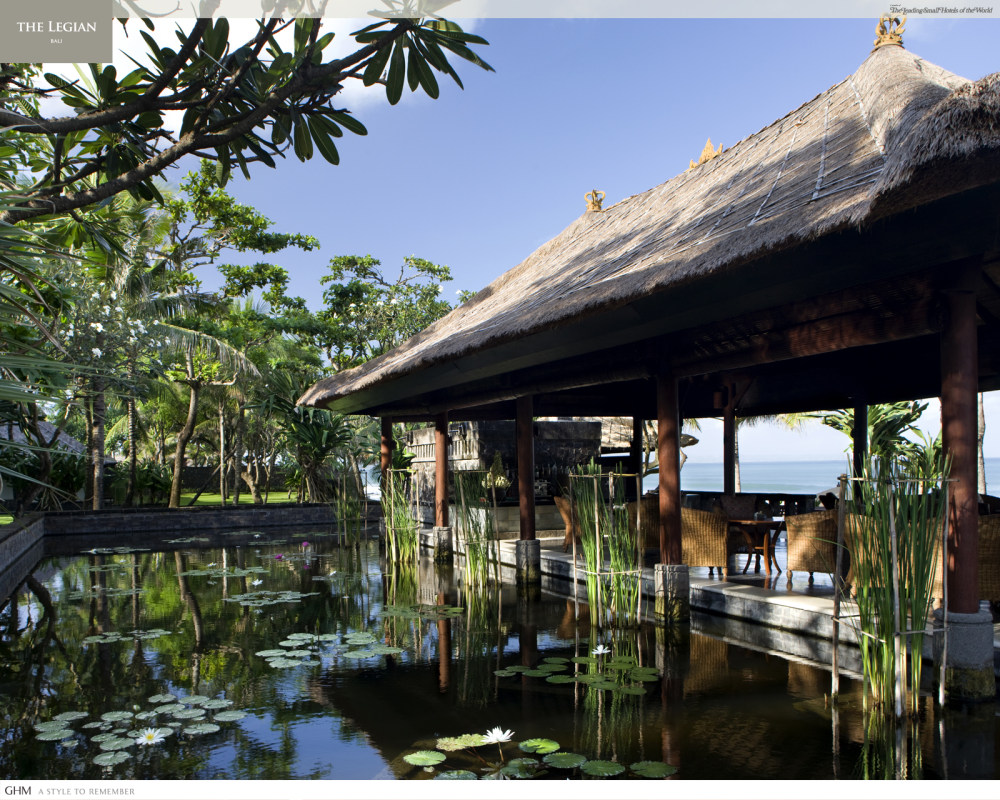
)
(12, 433)
(864, 148)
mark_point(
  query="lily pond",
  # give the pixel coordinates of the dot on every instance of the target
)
(259, 655)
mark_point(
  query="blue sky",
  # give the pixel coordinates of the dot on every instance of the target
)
(480, 178)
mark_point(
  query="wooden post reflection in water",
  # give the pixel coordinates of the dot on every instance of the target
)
(673, 654)
(444, 649)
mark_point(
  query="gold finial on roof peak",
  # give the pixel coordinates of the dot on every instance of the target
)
(594, 200)
(889, 30)
(707, 154)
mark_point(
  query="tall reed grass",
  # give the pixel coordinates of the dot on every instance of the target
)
(402, 537)
(476, 505)
(610, 545)
(897, 514)
(350, 504)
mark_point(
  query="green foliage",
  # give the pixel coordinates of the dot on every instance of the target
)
(367, 314)
(244, 102)
(888, 424)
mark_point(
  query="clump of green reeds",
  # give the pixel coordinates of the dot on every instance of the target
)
(475, 496)
(607, 538)
(898, 510)
(401, 530)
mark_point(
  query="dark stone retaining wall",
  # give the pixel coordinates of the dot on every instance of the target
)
(197, 518)
(20, 549)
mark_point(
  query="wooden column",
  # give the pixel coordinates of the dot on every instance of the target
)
(386, 445)
(729, 444)
(441, 471)
(668, 448)
(959, 431)
(635, 448)
(859, 438)
(525, 432)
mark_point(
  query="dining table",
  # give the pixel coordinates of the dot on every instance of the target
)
(761, 536)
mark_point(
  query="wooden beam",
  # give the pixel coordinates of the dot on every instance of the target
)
(525, 433)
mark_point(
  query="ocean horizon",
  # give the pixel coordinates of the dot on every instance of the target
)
(780, 477)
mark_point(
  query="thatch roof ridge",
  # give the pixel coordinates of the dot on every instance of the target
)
(962, 126)
(810, 172)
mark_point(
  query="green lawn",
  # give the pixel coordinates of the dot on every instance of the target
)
(245, 499)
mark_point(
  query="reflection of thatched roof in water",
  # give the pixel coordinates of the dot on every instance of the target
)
(898, 133)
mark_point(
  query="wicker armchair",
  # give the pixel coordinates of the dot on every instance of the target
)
(989, 562)
(812, 543)
(705, 539)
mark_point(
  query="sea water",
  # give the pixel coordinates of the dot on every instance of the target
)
(787, 477)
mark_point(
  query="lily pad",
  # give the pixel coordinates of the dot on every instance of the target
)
(360, 654)
(230, 716)
(646, 677)
(630, 690)
(170, 708)
(555, 660)
(56, 735)
(166, 697)
(110, 759)
(201, 727)
(103, 737)
(145, 715)
(652, 769)
(270, 653)
(424, 758)
(284, 663)
(217, 703)
(451, 743)
(564, 760)
(560, 679)
(385, 650)
(95, 724)
(70, 716)
(457, 775)
(504, 673)
(521, 768)
(195, 699)
(602, 769)
(189, 713)
(536, 673)
(116, 716)
(51, 725)
(540, 746)
(117, 743)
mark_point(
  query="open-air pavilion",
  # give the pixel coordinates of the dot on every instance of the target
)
(847, 254)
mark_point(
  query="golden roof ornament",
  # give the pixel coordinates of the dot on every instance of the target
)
(889, 31)
(594, 200)
(707, 154)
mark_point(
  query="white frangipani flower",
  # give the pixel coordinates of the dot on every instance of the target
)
(97, 326)
(97, 351)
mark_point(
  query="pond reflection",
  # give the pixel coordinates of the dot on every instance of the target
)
(291, 659)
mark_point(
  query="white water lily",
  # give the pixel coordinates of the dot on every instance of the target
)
(600, 650)
(151, 736)
(256, 582)
(496, 736)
